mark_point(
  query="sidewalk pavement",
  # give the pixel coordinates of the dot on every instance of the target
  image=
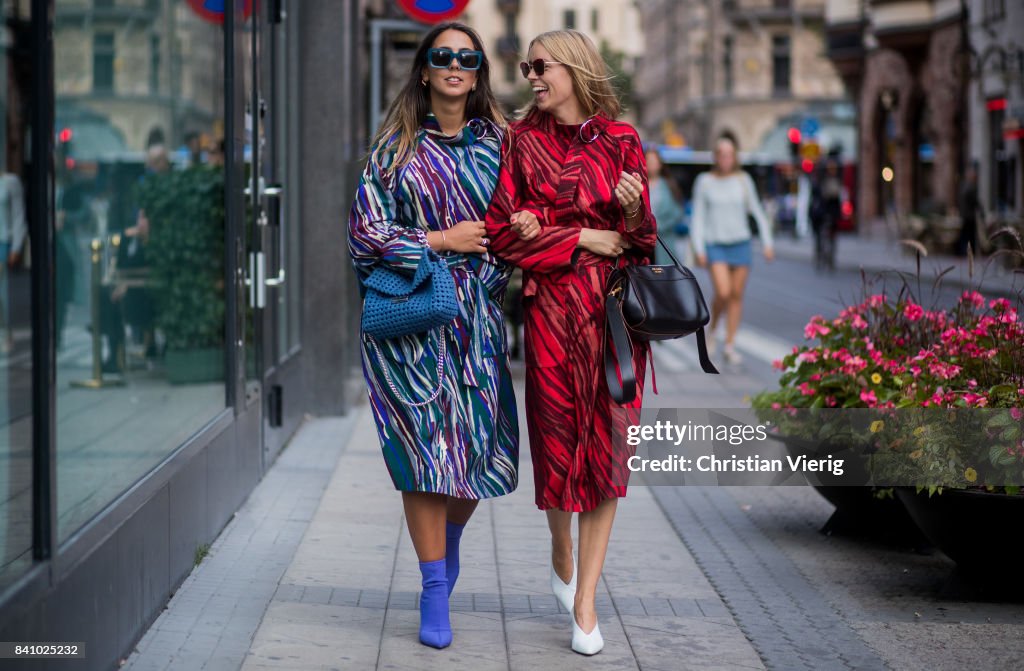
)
(346, 597)
(874, 250)
(316, 571)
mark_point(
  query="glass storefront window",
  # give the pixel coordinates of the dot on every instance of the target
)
(139, 222)
(15, 297)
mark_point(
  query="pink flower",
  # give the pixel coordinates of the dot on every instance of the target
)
(809, 356)
(999, 304)
(778, 365)
(976, 400)
(815, 377)
(776, 406)
(1008, 317)
(1016, 413)
(876, 300)
(974, 298)
(868, 396)
(830, 401)
(972, 383)
(913, 311)
(946, 371)
(816, 327)
(806, 389)
(859, 323)
(854, 365)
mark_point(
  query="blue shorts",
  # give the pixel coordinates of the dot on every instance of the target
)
(733, 254)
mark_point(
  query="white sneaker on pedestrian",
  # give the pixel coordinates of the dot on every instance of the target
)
(731, 355)
(712, 342)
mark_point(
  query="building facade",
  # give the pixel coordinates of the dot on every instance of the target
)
(903, 64)
(174, 277)
(995, 100)
(741, 66)
(507, 26)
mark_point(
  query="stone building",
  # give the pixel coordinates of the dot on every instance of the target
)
(507, 26)
(737, 65)
(995, 104)
(902, 62)
(150, 67)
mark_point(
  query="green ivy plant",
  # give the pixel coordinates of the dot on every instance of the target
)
(185, 253)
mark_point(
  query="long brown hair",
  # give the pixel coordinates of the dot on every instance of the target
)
(591, 79)
(410, 108)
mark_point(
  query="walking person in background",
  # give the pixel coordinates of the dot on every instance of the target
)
(13, 232)
(427, 185)
(570, 206)
(666, 207)
(722, 200)
(825, 211)
(971, 211)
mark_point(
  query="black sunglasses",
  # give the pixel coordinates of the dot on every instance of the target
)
(442, 58)
(538, 66)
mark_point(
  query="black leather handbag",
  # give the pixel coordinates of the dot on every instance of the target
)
(646, 303)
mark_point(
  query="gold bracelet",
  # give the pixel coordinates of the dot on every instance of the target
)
(639, 206)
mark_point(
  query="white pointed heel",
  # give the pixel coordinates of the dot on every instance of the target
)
(586, 644)
(565, 592)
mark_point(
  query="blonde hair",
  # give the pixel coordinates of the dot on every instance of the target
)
(591, 80)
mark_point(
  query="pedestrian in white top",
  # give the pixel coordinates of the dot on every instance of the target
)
(12, 239)
(722, 199)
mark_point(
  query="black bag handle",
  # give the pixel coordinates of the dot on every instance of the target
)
(622, 351)
(625, 391)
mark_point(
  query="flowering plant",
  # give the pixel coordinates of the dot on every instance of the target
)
(887, 353)
(894, 355)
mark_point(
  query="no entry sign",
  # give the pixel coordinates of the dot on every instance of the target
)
(213, 10)
(433, 11)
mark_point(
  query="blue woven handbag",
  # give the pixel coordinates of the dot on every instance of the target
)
(397, 304)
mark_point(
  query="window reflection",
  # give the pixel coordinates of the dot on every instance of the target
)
(15, 297)
(140, 241)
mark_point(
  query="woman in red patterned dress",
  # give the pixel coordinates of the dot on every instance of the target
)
(571, 204)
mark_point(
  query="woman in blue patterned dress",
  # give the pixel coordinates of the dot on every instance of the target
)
(427, 184)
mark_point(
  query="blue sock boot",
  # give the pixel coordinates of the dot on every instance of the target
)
(435, 627)
(453, 534)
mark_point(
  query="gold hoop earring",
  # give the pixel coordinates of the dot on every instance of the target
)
(423, 82)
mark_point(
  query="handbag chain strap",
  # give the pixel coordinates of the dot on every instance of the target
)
(441, 353)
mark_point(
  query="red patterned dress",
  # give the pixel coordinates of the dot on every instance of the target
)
(570, 413)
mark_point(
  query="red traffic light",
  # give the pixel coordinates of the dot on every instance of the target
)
(807, 165)
(794, 135)
(65, 135)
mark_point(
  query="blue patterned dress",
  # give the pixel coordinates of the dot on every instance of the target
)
(465, 443)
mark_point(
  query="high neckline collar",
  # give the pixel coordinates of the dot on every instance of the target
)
(474, 129)
(586, 131)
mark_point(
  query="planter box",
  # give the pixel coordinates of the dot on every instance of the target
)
(858, 511)
(978, 530)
